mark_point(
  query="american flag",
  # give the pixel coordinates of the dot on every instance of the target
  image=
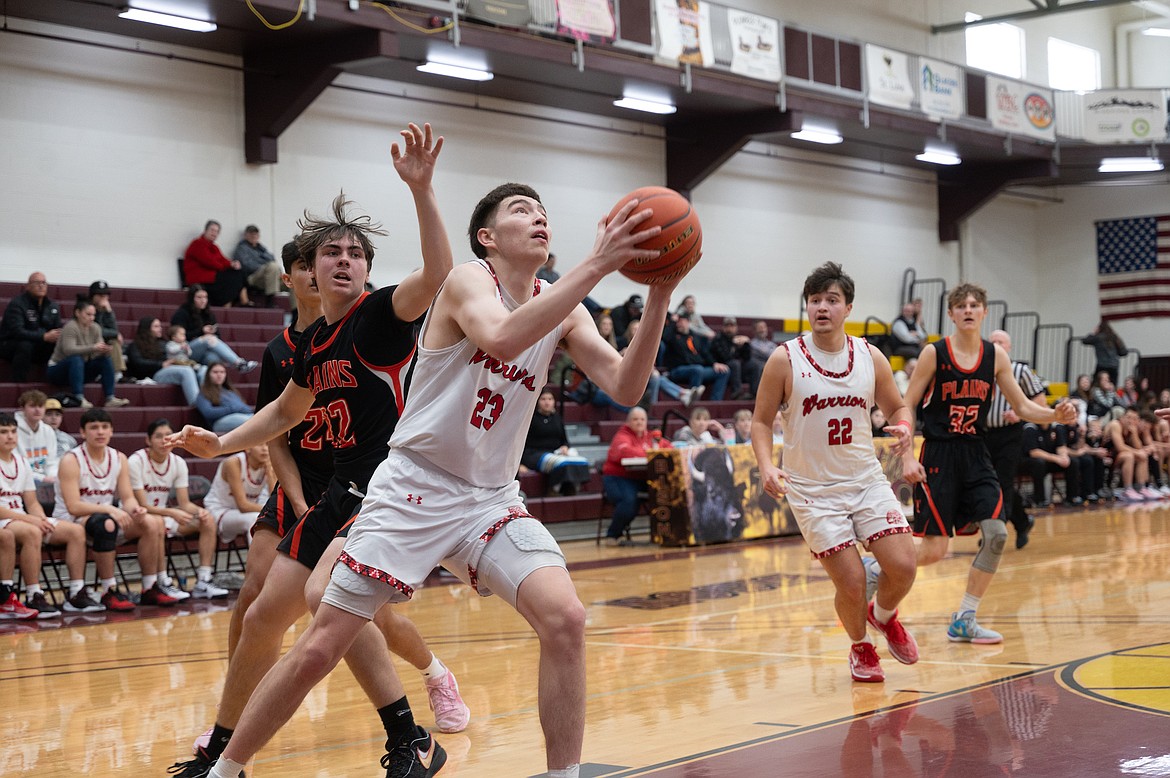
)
(1133, 267)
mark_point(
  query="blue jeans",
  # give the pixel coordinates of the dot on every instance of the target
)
(622, 492)
(694, 375)
(230, 422)
(74, 371)
(182, 376)
(208, 353)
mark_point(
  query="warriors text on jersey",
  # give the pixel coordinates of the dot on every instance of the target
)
(468, 412)
(956, 404)
(312, 459)
(828, 437)
(157, 480)
(357, 368)
(97, 479)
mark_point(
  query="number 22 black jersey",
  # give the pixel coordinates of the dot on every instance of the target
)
(313, 459)
(357, 368)
(958, 400)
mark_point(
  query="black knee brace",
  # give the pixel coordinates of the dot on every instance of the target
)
(103, 539)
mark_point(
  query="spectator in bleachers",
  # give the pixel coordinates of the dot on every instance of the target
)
(22, 514)
(547, 450)
(546, 271)
(1155, 438)
(93, 490)
(587, 392)
(147, 360)
(99, 292)
(30, 329)
(261, 270)
(1127, 394)
(605, 329)
(1164, 399)
(36, 440)
(625, 313)
(735, 351)
(1109, 349)
(219, 403)
(1045, 451)
(198, 321)
(1082, 395)
(1090, 443)
(83, 355)
(204, 263)
(698, 326)
(55, 417)
(877, 422)
(701, 429)
(1130, 458)
(762, 344)
(239, 490)
(1082, 460)
(689, 359)
(741, 427)
(907, 337)
(1103, 400)
(620, 483)
(902, 377)
(157, 473)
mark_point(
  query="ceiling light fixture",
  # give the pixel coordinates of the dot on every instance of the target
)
(1130, 165)
(168, 20)
(647, 106)
(455, 71)
(818, 135)
(937, 156)
(1158, 32)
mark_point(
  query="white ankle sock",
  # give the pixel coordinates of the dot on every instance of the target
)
(75, 587)
(225, 768)
(436, 669)
(970, 603)
(881, 614)
(572, 771)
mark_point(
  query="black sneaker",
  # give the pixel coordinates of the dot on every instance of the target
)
(418, 757)
(199, 767)
(82, 602)
(45, 609)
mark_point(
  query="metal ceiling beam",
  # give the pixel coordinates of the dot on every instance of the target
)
(1051, 7)
(697, 148)
(963, 191)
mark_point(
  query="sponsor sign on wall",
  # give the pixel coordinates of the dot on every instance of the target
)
(684, 32)
(1013, 106)
(1124, 116)
(590, 20)
(755, 45)
(941, 92)
(887, 77)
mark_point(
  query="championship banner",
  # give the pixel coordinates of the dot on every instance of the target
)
(755, 45)
(1014, 106)
(684, 31)
(1124, 116)
(587, 20)
(712, 494)
(941, 93)
(887, 77)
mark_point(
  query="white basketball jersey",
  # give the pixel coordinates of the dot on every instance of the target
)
(219, 496)
(467, 412)
(827, 433)
(16, 478)
(157, 480)
(97, 480)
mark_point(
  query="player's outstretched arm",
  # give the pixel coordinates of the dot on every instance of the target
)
(416, 167)
(921, 379)
(276, 418)
(889, 399)
(1063, 413)
(775, 385)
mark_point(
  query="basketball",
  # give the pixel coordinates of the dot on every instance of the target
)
(680, 243)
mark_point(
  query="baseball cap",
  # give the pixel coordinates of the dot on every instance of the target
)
(635, 300)
(729, 320)
(53, 404)
(99, 287)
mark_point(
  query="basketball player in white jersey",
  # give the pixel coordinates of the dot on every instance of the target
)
(155, 473)
(447, 493)
(824, 383)
(90, 478)
(239, 490)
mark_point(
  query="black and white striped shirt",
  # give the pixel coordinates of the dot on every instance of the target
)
(1029, 383)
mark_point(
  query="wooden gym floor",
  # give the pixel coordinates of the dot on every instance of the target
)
(716, 662)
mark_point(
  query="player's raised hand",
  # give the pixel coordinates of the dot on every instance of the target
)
(415, 162)
(200, 442)
(618, 238)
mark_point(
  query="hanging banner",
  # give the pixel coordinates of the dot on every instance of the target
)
(887, 77)
(1125, 116)
(587, 20)
(684, 33)
(941, 93)
(755, 45)
(1014, 106)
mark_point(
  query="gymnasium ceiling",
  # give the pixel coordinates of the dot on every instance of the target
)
(285, 70)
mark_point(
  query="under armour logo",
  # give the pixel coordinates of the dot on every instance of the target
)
(805, 374)
(416, 498)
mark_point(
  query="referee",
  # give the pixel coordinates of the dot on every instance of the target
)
(1004, 439)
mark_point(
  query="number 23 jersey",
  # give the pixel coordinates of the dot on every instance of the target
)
(468, 412)
(827, 435)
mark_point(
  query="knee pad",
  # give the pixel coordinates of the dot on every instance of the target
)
(104, 539)
(994, 534)
(529, 535)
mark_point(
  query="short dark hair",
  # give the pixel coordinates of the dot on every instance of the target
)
(485, 211)
(251, 228)
(211, 222)
(289, 254)
(964, 290)
(823, 277)
(316, 232)
(95, 415)
(154, 425)
(7, 419)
